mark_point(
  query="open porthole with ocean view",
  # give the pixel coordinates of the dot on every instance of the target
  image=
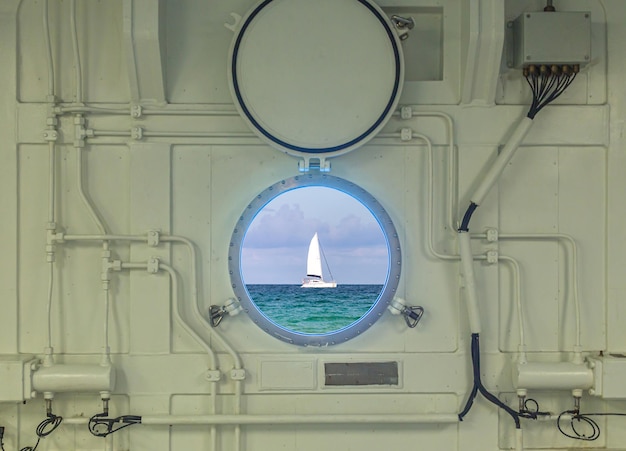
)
(314, 260)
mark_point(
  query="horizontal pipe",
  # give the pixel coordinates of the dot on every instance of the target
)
(300, 419)
(104, 238)
(170, 112)
(64, 378)
(203, 420)
(552, 376)
(166, 134)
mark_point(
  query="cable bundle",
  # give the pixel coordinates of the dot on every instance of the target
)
(101, 426)
(45, 428)
(547, 83)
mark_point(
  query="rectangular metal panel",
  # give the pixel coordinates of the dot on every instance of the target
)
(361, 373)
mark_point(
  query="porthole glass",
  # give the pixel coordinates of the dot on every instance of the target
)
(314, 260)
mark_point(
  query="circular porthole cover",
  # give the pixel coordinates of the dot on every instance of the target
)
(377, 308)
(316, 76)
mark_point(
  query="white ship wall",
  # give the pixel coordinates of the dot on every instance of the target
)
(567, 178)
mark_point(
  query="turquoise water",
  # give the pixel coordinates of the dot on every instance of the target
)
(314, 310)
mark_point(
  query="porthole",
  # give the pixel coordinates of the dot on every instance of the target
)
(316, 77)
(290, 304)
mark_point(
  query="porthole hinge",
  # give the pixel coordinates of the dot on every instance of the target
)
(316, 163)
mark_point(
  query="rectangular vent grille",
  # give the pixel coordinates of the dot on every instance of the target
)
(361, 373)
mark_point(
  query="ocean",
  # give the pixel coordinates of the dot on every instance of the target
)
(314, 310)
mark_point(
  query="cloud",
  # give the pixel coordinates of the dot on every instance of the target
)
(288, 227)
(285, 227)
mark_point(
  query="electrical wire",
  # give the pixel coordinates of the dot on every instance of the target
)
(547, 83)
(101, 426)
(44, 429)
(583, 420)
(479, 387)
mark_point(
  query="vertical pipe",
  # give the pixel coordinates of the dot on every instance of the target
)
(467, 261)
(51, 182)
(195, 305)
(49, 308)
(75, 50)
(518, 303)
(48, 44)
(176, 310)
(519, 439)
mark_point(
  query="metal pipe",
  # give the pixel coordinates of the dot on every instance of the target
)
(75, 50)
(301, 419)
(105, 237)
(48, 44)
(195, 299)
(204, 420)
(49, 305)
(171, 112)
(518, 303)
(501, 161)
(573, 267)
(452, 161)
(176, 310)
(168, 134)
(471, 295)
(51, 182)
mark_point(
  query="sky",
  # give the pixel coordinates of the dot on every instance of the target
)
(275, 247)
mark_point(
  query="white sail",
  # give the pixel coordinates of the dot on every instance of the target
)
(314, 276)
(314, 260)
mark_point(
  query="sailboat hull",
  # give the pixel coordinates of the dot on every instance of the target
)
(313, 283)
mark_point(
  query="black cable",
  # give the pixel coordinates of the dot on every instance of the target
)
(547, 83)
(580, 419)
(479, 387)
(101, 426)
(44, 429)
(467, 217)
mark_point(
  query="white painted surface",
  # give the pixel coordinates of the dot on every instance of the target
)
(567, 177)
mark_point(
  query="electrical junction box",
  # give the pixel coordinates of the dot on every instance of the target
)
(15, 374)
(562, 38)
(609, 375)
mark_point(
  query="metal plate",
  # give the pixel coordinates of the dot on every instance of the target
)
(319, 76)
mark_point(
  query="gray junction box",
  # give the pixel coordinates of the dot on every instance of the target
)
(552, 38)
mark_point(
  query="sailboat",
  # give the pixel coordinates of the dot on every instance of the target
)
(314, 277)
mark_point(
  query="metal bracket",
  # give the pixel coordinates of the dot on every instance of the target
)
(317, 163)
(402, 25)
